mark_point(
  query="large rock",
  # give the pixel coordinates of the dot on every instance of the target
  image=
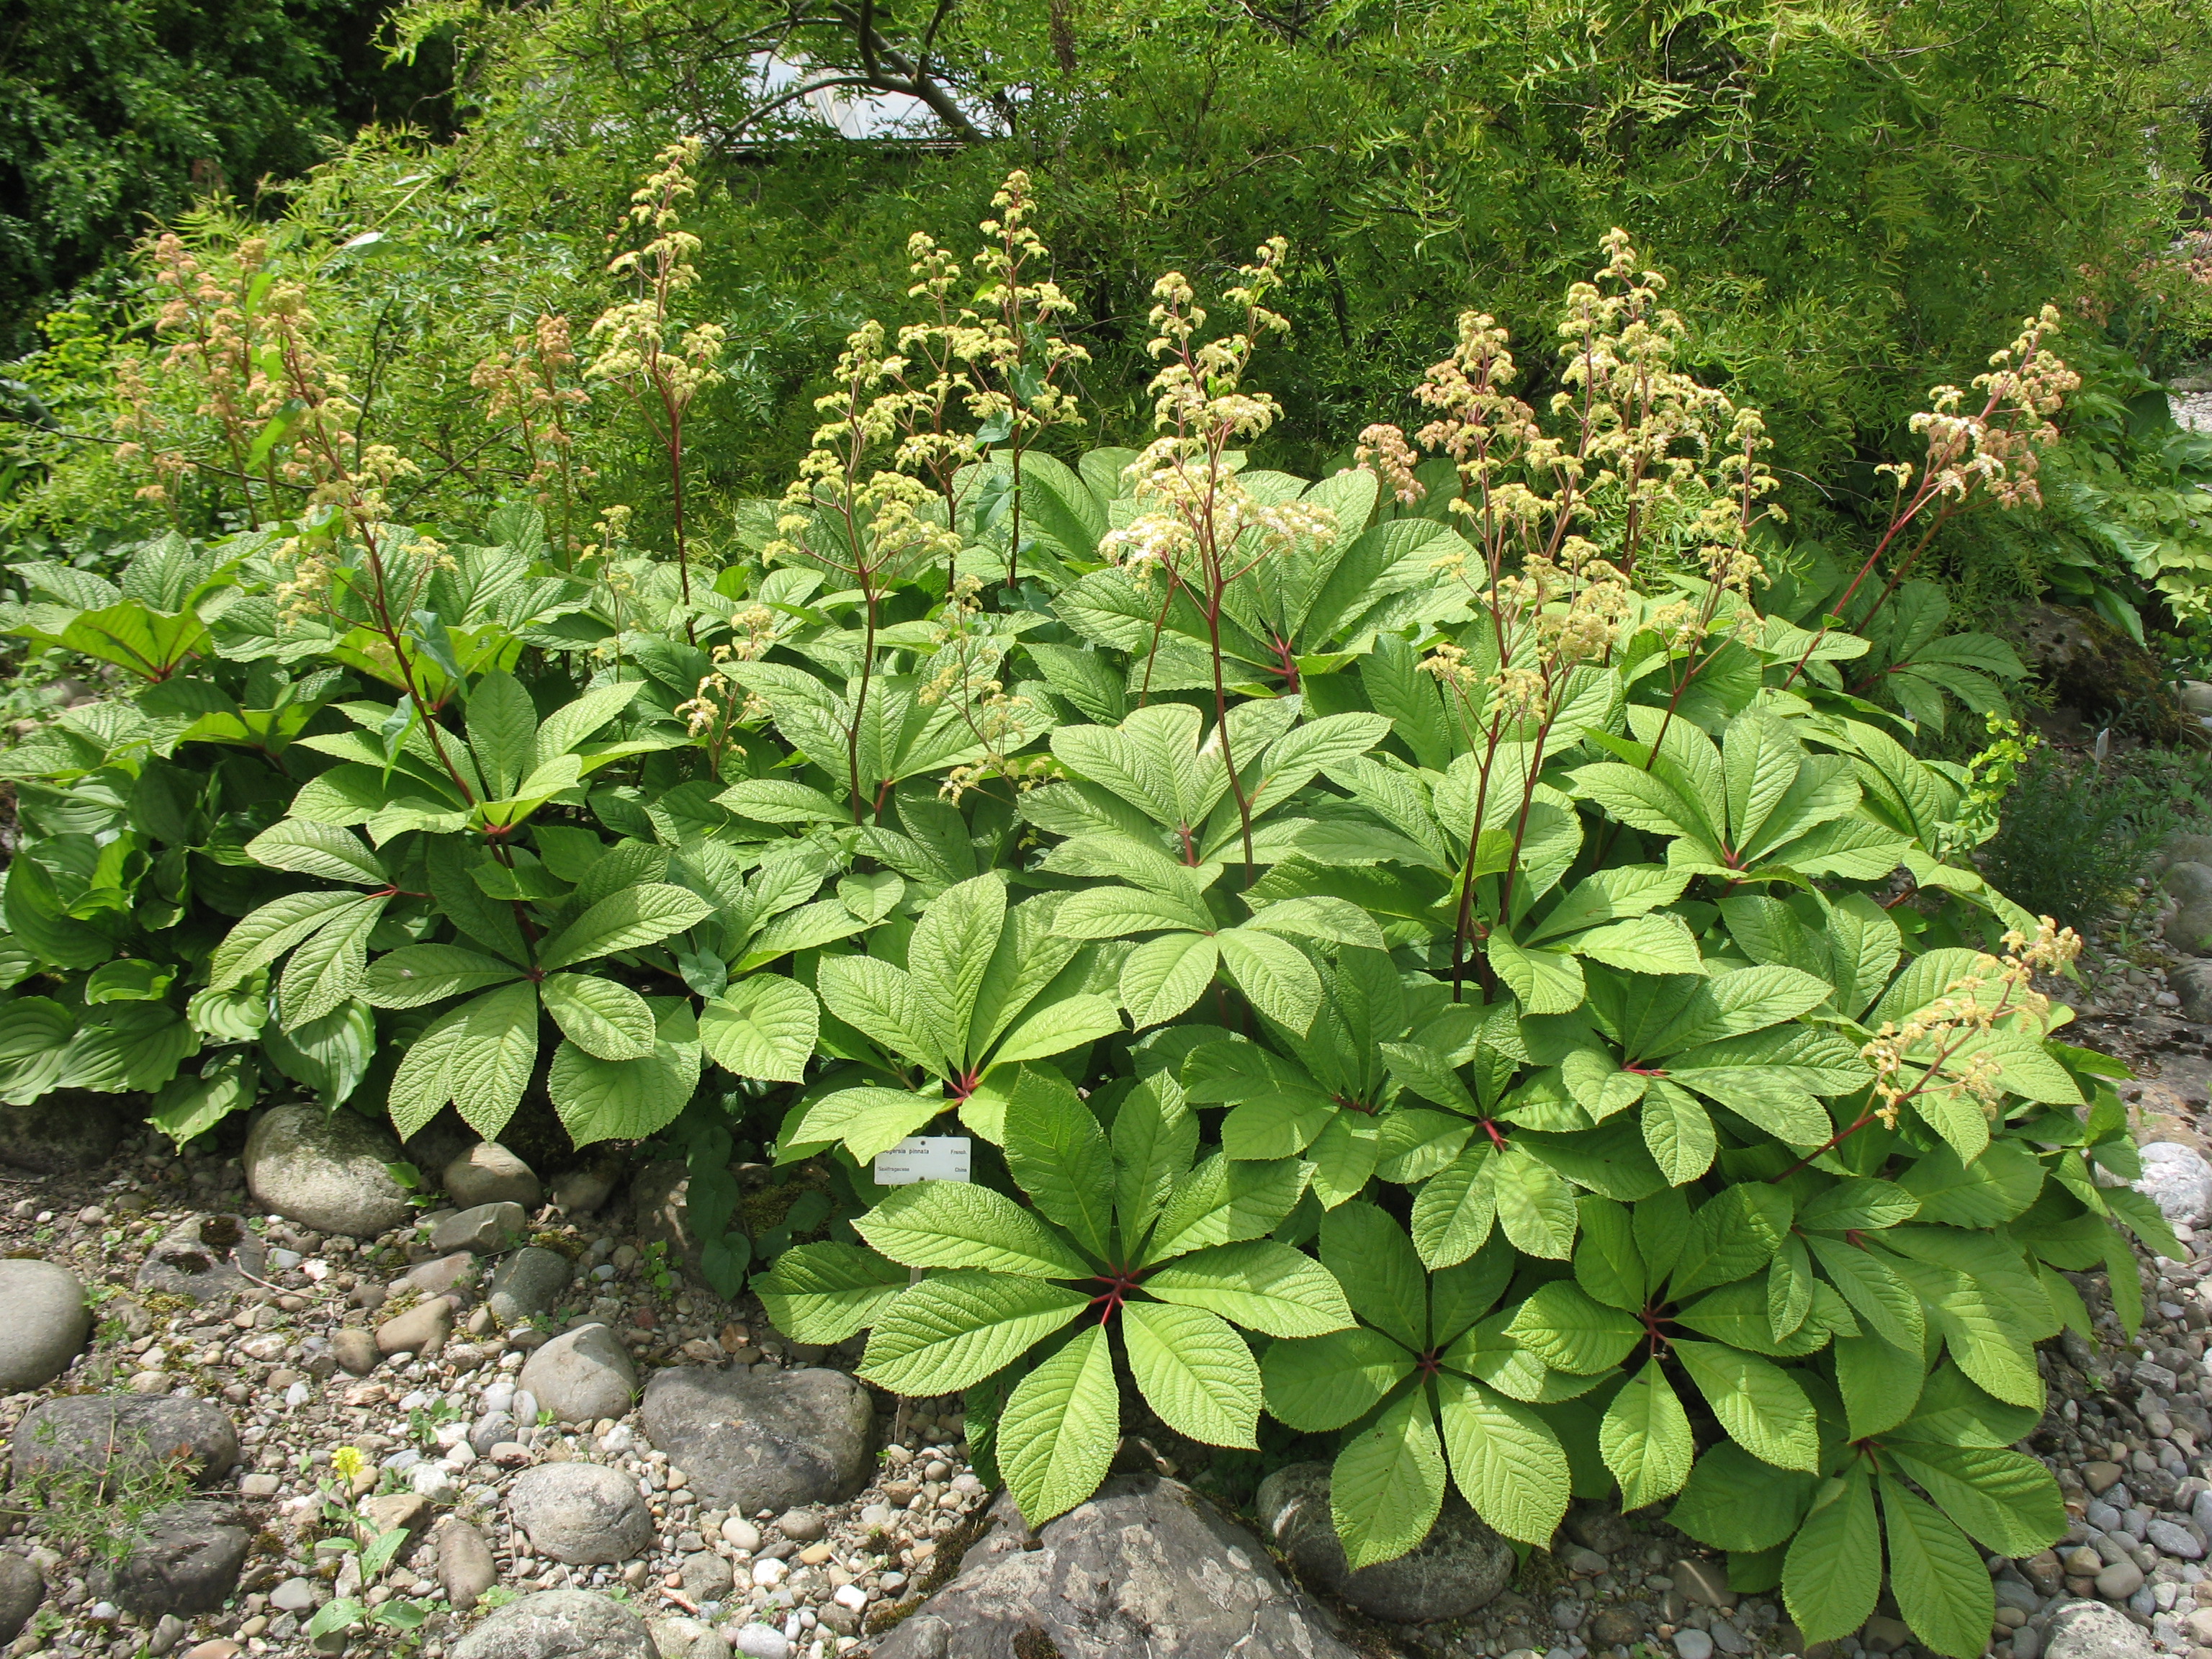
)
(489, 1173)
(1459, 1566)
(63, 1132)
(44, 1326)
(104, 1435)
(583, 1513)
(581, 1192)
(762, 1440)
(186, 1560)
(581, 1375)
(1145, 1567)
(325, 1169)
(206, 1258)
(2190, 927)
(421, 1329)
(2193, 982)
(2090, 1629)
(465, 1566)
(2178, 1180)
(528, 1283)
(21, 1590)
(559, 1624)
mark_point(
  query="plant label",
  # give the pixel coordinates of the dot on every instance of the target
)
(924, 1158)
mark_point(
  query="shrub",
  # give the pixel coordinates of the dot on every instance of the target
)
(1421, 953)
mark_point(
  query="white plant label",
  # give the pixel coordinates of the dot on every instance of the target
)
(924, 1158)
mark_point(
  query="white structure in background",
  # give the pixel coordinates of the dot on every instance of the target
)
(849, 112)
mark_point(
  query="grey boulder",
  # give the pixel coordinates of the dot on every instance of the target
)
(2192, 983)
(2190, 927)
(206, 1258)
(65, 1131)
(186, 1560)
(489, 1173)
(21, 1590)
(325, 1170)
(2090, 1629)
(560, 1625)
(1458, 1567)
(764, 1440)
(581, 1375)
(585, 1514)
(1145, 1567)
(107, 1435)
(526, 1284)
(581, 1192)
(465, 1567)
(2178, 1180)
(46, 1325)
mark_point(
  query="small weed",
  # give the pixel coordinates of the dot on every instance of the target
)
(105, 1514)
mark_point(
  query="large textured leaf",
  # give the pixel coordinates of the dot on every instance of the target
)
(1388, 1486)
(1507, 1462)
(320, 850)
(1259, 1284)
(629, 1099)
(1059, 1429)
(954, 1224)
(950, 953)
(416, 974)
(1058, 1027)
(1535, 1205)
(1454, 1210)
(825, 1292)
(1646, 1439)
(763, 1026)
(868, 1120)
(1677, 1132)
(490, 1062)
(269, 932)
(1326, 1382)
(623, 922)
(1736, 1502)
(1059, 1157)
(1545, 982)
(327, 968)
(1274, 973)
(878, 1000)
(603, 1019)
(955, 1329)
(1763, 1411)
(1163, 976)
(1941, 1587)
(1221, 1201)
(1381, 1276)
(1195, 1371)
(502, 732)
(1571, 1333)
(1832, 1573)
(2004, 1498)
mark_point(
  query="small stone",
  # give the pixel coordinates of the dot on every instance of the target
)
(294, 1596)
(206, 1258)
(2178, 1180)
(421, 1329)
(220, 1648)
(2172, 1539)
(711, 1644)
(582, 1192)
(2045, 1572)
(762, 1641)
(2099, 1477)
(706, 1577)
(582, 1375)
(801, 1526)
(1886, 1635)
(1614, 1626)
(46, 1324)
(487, 1229)
(356, 1349)
(526, 1284)
(740, 1534)
(465, 1567)
(2083, 1562)
(581, 1513)
(559, 1624)
(1588, 1563)
(489, 1173)
(168, 1632)
(771, 1440)
(387, 1510)
(1701, 1583)
(442, 1273)
(1692, 1644)
(2119, 1581)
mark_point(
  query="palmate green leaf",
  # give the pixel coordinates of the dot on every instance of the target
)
(623, 921)
(1259, 1284)
(1733, 1501)
(956, 1224)
(1734, 1234)
(1506, 1459)
(1645, 944)
(1344, 1155)
(1608, 1263)
(1885, 1303)
(868, 1120)
(629, 1099)
(878, 1000)
(1456, 1209)
(1386, 1487)
(1879, 1383)
(320, 850)
(1058, 1027)
(502, 732)
(825, 1292)
(416, 974)
(1570, 1332)
(1056, 1435)
(1163, 976)
(955, 1329)
(1116, 912)
(1382, 1278)
(1762, 1409)
(762, 1026)
(1195, 1371)
(1221, 1201)
(1535, 1205)
(1545, 982)
(1274, 974)
(1952, 1411)
(605, 1019)
(2005, 1499)
(1645, 1438)
(1941, 1587)
(1677, 1132)
(490, 1056)
(268, 932)
(1832, 1573)
(327, 967)
(950, 953)
(1323, 1383)
(1860, 1204)
(1059, 1157)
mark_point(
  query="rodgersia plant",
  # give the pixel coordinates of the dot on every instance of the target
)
(1447, 968)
